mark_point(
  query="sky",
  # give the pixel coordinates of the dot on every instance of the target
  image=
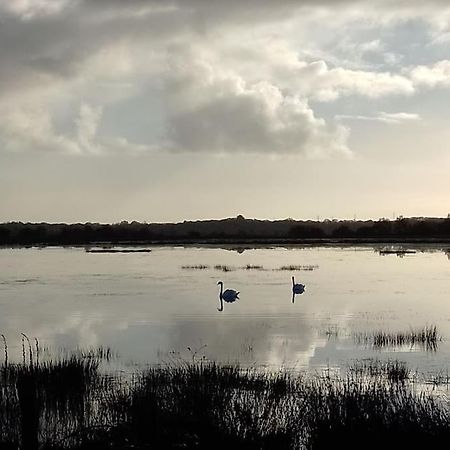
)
(175, 110)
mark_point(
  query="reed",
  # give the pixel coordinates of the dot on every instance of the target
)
(253, 267)
(43, 401)
(392, 370)
(224, 268)
(426, 337)
(293, 267)
(68, 403)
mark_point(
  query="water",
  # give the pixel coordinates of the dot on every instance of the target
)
(149, 309)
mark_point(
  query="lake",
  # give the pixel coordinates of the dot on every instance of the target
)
(155, 307)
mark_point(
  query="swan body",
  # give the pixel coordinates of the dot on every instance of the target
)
(297, 288)
(229, 296)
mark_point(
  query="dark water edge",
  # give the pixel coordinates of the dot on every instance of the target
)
(71, 403)
(391, 244)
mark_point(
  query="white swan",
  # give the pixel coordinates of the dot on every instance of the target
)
(229, 295)
(297, 288)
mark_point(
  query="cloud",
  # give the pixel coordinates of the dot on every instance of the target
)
(390, 118)
(33, 129)
(218, 76)
(29, 9)
(437, 75)
(87, 124)
(210, 110)
(329, 84)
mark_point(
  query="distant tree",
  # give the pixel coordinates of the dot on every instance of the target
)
(5, 234)
(343, 231)
(306, 231)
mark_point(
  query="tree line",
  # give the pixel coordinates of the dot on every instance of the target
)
(238, 228)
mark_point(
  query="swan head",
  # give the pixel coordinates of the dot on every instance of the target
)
(220, 282)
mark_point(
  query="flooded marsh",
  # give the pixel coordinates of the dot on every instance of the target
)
(149, 305)
(131, 348)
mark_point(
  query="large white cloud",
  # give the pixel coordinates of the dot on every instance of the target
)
(209, 110)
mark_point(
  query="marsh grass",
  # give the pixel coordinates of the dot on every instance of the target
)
(253, 267)
(331, 332)
(392, 370)
(294, 267)
(426, 338)
(222, 267)
(225, 268)
(69, 404)
(43, 401)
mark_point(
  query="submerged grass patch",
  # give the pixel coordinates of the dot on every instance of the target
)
(226, 268)
(253, 267)
(392, 370)
(426, 337)
(196, 266)
(70, 404)
(296, 267)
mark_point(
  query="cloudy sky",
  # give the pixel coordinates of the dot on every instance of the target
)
(169, 110)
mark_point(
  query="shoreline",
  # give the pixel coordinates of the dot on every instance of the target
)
(245, 242)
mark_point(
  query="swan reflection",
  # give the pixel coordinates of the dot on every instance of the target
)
(229, 296)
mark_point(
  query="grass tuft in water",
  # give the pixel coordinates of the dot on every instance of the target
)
(224, 268)
(253, 267)
(426, 337)
(292, 268)
(392, 370)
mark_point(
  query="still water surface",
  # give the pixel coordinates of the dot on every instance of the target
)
(149, 309)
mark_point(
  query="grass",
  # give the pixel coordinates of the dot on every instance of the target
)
(294, 267)
(43, 402)
(331, 332)
(68, 403)
(225, 268)
(392, 370)
(221, 267)
(253, 267)
(426, 337)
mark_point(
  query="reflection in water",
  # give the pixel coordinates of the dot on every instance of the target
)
(401, 252)
(297, 288)
(229, 295)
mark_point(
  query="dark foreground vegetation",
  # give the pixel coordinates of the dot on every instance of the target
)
(70, 403)
(233, 229)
